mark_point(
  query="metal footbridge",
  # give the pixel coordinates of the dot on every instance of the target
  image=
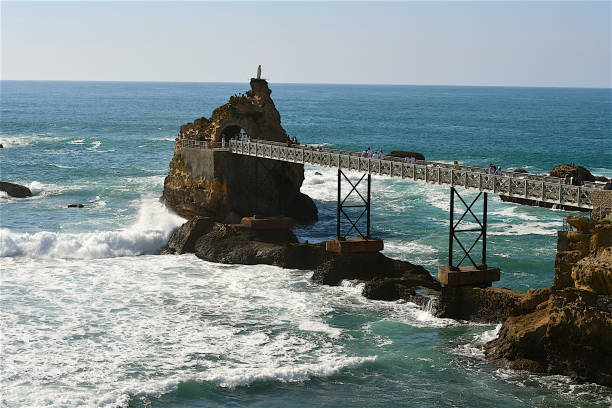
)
(539, 188)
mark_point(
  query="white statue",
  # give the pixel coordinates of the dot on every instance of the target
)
(259, 72)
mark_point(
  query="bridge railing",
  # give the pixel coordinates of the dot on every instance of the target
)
(199, 144)
(519, 185)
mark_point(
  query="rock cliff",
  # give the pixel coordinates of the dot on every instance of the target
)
(214, 183)
(566, 329)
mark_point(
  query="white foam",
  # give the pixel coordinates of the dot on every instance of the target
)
(525, 228)
(147, 234)
(77, 142)
(61, 166)
(511, 212)
(475, 348)
(95, 145)
(170, 319)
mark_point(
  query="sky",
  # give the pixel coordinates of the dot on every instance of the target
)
(508, 43)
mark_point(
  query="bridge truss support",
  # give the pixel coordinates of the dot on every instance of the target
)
(364, 203)
(454, 230)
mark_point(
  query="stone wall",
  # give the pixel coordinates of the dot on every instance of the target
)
(225, 187)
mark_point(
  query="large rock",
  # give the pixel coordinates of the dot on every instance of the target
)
(372, 266)
(568, 334)
(403, 154)
(566, 329)
(563, 170)
(184, 238)
(15, 190)
(221, 185)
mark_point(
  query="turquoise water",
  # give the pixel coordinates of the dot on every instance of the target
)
(90, 318)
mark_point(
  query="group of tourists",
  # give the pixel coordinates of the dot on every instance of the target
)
(410, 159)
(292, 141)
(497, 171)
(368, 154)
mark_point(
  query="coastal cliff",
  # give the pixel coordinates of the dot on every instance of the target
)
(566, 329)
(205, 180)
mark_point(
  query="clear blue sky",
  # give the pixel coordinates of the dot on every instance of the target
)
(552, 43)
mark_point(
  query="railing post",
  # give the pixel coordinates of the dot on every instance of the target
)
(451, 232)
(368, 207)
(339, 201)
(484, 230)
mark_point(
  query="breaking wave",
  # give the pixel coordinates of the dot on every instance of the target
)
(145, 236)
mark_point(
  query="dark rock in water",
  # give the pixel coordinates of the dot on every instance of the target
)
(577, 172)
(15, 190)
(236, 244)
(75, 206)
(404, 154)
(388, 289)
(523, 171)
(318, 174)
(486, 305)
(1, 146)
(184, 238)
(601, 179)
(371, 266)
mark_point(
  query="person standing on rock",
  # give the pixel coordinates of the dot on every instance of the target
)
(223, 142)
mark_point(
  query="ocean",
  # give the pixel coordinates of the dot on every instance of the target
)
(90, 316)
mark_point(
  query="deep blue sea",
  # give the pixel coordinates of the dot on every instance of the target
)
(90, 316)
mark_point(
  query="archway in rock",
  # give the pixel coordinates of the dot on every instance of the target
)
(230, 132)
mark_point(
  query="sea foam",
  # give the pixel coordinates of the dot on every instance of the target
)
(146, 235)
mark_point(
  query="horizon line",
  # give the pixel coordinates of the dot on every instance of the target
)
(306, 83)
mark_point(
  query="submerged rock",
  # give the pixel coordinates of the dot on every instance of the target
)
(15, 190)
(75, 206)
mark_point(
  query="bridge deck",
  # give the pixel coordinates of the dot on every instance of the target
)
(534, 187)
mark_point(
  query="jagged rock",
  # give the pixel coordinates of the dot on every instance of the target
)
(522, 171)
(236, 244)
(567, 334)
(184, 238)
(15, 190)
(563, 170)
(484, 305)
(371, 266)
(221, 185)
(75, 206)
(566, 329)
(582, 224)
(388, 289)
(403, 154)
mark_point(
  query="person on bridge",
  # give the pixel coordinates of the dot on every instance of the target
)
(491, 168)
(223, 142)
(456, 165)
(381, 155)
(498, 172)
(364, 154)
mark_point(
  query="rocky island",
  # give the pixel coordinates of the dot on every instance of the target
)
(241, 210)
(238, 206)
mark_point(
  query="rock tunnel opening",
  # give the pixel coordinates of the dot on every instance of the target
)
(231, 132)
